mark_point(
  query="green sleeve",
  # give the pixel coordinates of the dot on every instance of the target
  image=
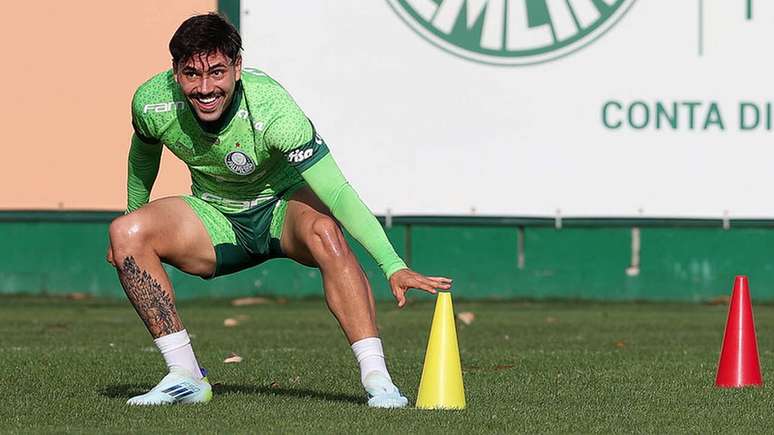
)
(144, 162)
(327, 181)
(289, 127)
(288, 132)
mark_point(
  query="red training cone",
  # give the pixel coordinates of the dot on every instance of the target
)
(739, 365)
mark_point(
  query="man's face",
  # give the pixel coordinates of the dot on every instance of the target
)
(208, 81)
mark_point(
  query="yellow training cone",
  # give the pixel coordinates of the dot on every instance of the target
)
(441, 384)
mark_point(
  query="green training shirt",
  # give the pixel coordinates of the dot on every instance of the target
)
(262, 145)
(245, 160)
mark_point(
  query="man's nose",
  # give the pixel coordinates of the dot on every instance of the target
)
(206, 86)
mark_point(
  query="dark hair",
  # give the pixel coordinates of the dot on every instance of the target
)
(204, 34)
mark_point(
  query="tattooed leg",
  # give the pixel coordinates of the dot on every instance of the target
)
(164, 230)
(154, 304)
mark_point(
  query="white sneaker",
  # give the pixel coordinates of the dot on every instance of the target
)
(178, 386)
(382, 393)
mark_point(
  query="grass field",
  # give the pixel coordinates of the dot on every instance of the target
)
(69, 366)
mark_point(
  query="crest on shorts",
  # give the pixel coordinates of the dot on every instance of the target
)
(240, 163)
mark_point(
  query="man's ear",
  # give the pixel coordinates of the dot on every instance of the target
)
(238, 67)
(174, 73)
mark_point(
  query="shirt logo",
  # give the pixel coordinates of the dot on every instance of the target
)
(240, 163)
(164, 107)
(298, 156)
(510, 32)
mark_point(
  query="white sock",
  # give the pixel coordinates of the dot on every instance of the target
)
(177, 351)
(370, 357)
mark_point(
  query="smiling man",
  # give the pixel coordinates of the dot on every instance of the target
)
(264, 186)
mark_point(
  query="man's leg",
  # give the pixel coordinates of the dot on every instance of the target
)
(165, 230)
(312, 237)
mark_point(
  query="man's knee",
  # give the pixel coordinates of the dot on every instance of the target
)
(128, 235)
(328, 240)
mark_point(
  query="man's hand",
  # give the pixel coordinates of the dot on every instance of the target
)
(405, 279)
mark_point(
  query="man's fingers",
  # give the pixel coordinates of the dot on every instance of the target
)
(439, 282)
(420, 282)
(401, 295)
(428, 287)
(436, 284)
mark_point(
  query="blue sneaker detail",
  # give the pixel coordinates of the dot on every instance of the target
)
(177, 387)
(382, 393)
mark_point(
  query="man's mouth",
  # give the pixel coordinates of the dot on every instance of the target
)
(207, 103)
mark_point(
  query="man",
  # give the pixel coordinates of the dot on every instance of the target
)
(264, 186)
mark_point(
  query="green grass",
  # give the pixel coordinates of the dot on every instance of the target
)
(69, 366)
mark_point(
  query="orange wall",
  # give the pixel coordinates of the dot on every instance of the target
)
(68, 73)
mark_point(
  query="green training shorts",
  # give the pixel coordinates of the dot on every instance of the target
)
(245, 239)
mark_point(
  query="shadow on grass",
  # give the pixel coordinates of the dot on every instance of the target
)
(125, 391)
(280, 391)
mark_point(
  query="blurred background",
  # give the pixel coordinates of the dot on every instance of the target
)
(538, 149)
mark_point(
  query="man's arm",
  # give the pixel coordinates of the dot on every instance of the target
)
(292, 134)
(143, 166)
(329, 184)
(144, 159)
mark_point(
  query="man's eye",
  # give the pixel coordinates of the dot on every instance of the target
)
(217, 74)
(190, 75)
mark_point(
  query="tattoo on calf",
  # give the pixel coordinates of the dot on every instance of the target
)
(153, 304)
